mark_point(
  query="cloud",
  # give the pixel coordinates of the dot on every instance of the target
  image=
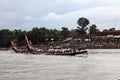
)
(28, 18)
(51, 16)
(102, 16)
(93, 2)
(4, 4)
(73, 1)
(58, 13)
(7, 17)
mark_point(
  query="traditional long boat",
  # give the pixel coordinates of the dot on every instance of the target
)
(16, 49)
(55, 51)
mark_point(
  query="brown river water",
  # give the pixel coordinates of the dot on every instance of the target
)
(100, 64)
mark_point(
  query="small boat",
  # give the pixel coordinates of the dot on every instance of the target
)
(55, 51)
(18, 50)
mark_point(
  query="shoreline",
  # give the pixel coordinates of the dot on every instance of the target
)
(86, 48)
(5, 48)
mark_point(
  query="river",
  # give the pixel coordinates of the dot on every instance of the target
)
(100, 64)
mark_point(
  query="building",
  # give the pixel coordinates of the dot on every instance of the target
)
(107, 35)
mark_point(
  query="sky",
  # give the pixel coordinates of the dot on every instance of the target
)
(55, 14)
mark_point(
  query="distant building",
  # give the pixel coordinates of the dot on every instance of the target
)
(106, 34)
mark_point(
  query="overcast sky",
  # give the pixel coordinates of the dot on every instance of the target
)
(26, 14)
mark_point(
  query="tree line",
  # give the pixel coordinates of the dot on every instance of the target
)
(36, 35)
(43, 35)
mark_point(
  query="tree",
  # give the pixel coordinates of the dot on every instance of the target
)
(35, 36)
(82, 28)
(93, 29)
(64, 32)
(5, 36)
(112, 29)
(20, 38)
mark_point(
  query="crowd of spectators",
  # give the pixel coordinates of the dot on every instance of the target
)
(102, 45)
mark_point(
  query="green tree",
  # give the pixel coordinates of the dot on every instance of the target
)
(65, 32)
(82, 28)
(35, 36)
(21, 38)
(16, 33)
(93, 29)
(5, 36)
(112, 29)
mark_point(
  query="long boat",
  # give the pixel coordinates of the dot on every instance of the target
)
(66, 51)
(55, 51)
(16, 49)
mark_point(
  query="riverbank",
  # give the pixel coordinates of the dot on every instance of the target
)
(101, 45)
(89, 45)
(5, 48)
